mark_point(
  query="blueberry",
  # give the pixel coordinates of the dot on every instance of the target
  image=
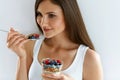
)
(33, 37)
(52, 62)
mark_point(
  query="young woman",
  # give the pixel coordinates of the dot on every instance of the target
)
(64, 38)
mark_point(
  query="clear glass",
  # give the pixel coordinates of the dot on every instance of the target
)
(51, 66)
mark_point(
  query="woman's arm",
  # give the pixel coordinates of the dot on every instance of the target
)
(92, 69)
(23, 48)
(25, 63)
(23, 68)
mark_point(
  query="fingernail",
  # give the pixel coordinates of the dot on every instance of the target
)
(11, 29)
(7, 44)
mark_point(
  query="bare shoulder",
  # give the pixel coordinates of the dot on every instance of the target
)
(92, 57)
(92, 68)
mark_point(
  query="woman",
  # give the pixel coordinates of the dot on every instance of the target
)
(64, 37)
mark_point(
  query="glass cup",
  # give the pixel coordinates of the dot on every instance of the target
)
(51, 66)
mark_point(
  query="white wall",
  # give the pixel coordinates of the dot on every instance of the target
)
(20, 15)
(102, 21)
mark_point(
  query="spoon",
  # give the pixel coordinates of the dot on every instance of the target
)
(31, 36)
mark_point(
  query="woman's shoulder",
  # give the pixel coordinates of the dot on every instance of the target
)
(92, 65)
(92, 55)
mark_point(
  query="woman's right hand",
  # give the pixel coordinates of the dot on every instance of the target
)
(16, 42)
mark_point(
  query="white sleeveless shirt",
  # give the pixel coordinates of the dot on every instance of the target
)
(75, 70)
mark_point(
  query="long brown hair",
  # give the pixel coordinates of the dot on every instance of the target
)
(75, 26)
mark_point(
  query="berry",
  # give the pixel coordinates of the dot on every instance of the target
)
(58, 61)
(33, 36)
(47, 62)
(36, 35)
(52, 62)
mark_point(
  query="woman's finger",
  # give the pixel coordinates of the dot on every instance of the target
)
(20, 42)
(11, 35)
(13, 40)
(53, 76)
(46, 78)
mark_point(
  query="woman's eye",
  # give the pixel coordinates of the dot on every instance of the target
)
(51, 15)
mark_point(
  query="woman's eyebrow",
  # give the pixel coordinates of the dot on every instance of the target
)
(38, 12)
(50, 12)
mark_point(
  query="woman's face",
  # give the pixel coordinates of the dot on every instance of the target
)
(50, 18)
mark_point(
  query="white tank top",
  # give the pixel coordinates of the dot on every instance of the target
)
(75, 70)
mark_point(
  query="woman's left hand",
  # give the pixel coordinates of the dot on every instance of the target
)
(60, 76)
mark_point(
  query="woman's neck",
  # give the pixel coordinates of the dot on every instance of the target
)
(60, 42)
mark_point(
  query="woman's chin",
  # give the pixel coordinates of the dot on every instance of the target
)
(48, 36)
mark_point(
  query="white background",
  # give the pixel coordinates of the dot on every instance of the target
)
(101, 19)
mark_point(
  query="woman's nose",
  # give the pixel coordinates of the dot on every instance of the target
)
(44, 21)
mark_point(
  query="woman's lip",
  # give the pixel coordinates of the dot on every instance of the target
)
(46, 30)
